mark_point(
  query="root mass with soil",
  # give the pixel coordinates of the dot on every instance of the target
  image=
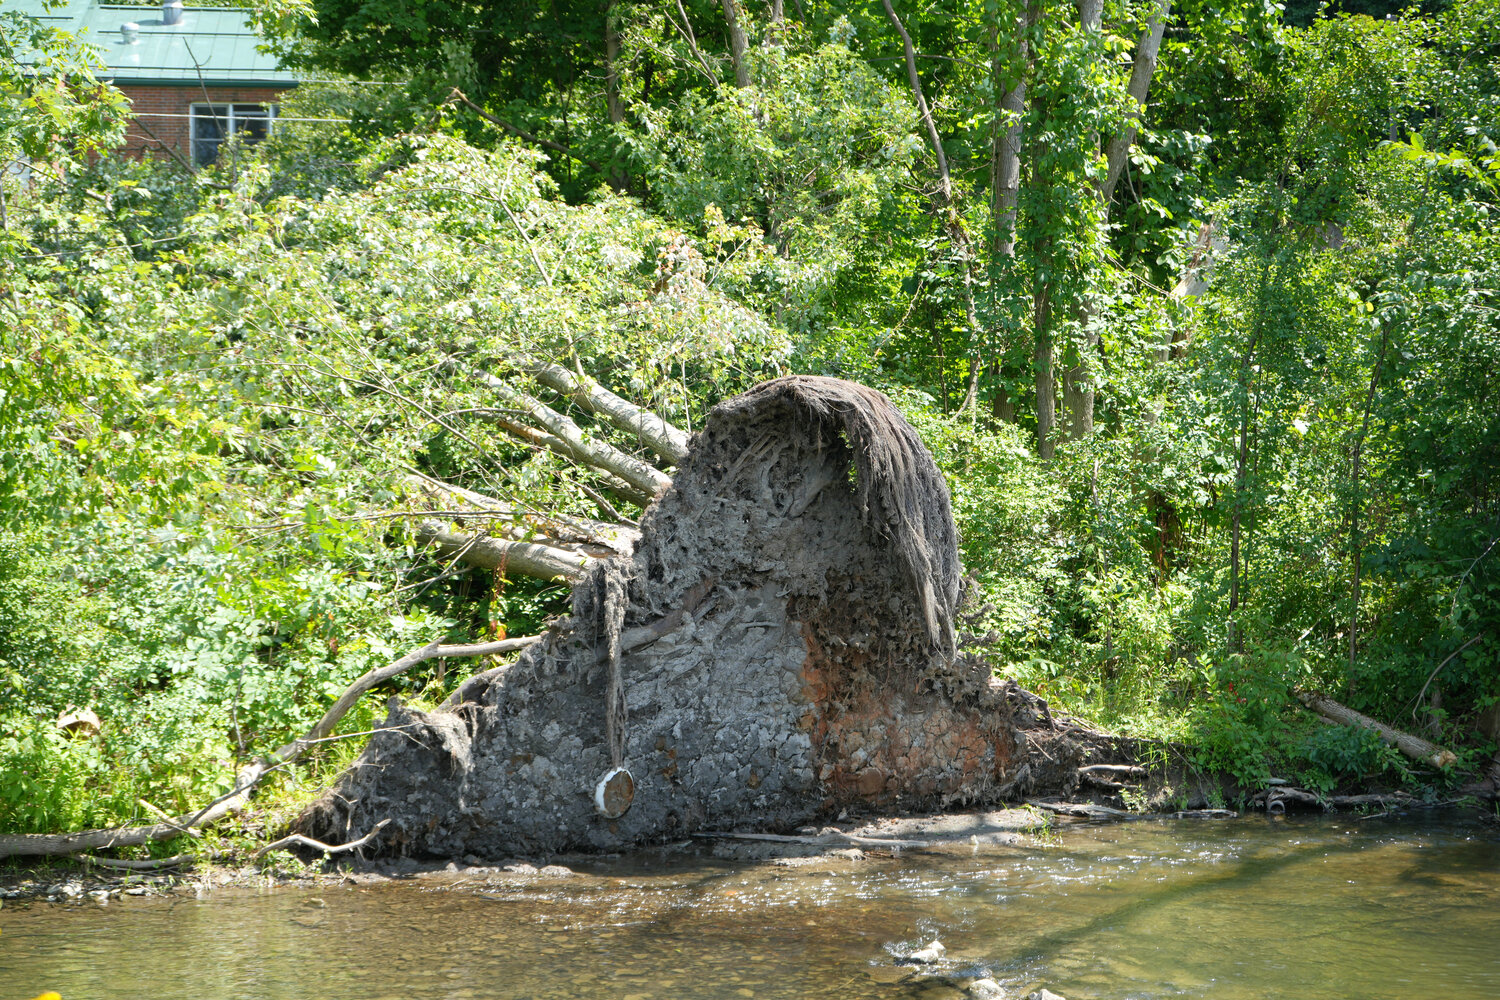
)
(779, 647)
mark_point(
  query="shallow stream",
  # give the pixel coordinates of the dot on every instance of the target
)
(1331, 908)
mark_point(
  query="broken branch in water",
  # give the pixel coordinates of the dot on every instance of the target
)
(1277, 799)
(318, 845)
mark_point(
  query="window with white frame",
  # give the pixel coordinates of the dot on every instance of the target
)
(216, 124)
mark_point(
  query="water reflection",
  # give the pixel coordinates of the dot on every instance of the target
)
(1239, 910)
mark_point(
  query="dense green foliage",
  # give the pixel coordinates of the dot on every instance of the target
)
(214, 388)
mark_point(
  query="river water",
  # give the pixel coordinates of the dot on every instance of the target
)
(1331, 908)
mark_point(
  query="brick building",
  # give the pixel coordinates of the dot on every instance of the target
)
(193, 75)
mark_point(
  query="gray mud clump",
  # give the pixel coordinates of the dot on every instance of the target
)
(779, 648)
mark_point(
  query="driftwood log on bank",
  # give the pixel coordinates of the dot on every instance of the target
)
(795, 588)
(1414, 747)
(45, 845)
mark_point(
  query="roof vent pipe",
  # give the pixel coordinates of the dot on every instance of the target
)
(171, 12)
(131, 32)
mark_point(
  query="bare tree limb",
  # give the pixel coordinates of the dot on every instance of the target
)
(351, 695)
(646, 478)
(541, 440)
(1438, 669)
(668, 442)
(685, 29)
(529, 525)
(566, 561)
(926, 113)
(318, 845)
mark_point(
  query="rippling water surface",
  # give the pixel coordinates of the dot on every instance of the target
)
(1327, 908)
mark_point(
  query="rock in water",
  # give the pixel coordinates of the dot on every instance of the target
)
(1044, 995)
(986, 989)
(929, 954)
(782, 636)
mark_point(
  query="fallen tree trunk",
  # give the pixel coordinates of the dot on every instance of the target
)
(777, 647)
(1414, 747)
(42, 845)
(518, 542)
(668, 442)
(545, 562)
(1276, 800)
(517, 524)
(576, 445)
(529, 543)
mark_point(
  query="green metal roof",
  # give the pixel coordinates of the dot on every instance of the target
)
(212, 45)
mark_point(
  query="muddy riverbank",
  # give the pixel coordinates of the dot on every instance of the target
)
(1151, 909)
(75, 883)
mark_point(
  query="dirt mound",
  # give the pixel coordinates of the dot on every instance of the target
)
(779, 647)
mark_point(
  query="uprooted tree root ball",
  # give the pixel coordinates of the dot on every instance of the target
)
(779, 647)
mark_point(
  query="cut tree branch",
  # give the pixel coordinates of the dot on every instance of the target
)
(559, 560)
(529, 525)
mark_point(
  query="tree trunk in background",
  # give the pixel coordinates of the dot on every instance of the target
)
(1356, 542)
(1046, 384)
(1241, 471)
(737, 43)
(1006, 133)
(612, 102)
(1141, 72)
(1008, 75)
(1002, 408)
(1078, 383)
(777, 17)
(1078, 380)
